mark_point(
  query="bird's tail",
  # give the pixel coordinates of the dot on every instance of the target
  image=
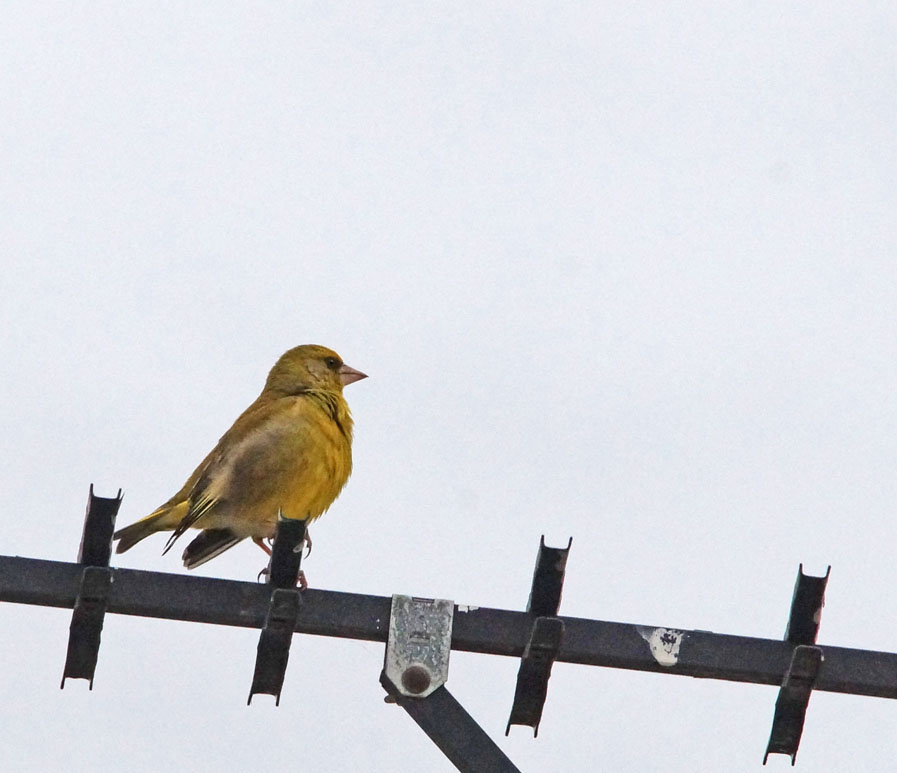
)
(166, 517)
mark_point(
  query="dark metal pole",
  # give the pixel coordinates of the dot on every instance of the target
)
(493, 631)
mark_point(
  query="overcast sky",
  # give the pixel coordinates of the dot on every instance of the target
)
(621, 272)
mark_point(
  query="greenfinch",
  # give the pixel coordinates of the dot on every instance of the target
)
(289, 454)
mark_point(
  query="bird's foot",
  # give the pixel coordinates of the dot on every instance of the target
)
(261, 543)
(301, 582)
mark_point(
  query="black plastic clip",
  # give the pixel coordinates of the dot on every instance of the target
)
(806, 660)
(545, 639)
(283, 610)
(93, 590)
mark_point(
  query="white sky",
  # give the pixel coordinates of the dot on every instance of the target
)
(621, 272)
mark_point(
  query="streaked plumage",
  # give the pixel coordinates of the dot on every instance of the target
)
(289, 452)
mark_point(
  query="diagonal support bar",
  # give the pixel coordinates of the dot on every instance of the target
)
(453, 730)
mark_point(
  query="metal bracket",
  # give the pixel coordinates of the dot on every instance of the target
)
(273, 650)
(419, 645)
(548, 579)
(806, 660)
(535, 670)
(791, 705)
(93, 590)
(806, 607)
(415, 670)
(87, 624)
(274, 644)
(545, 639)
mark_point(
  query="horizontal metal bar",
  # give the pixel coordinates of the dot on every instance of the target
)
(194, 599)
(492, 631)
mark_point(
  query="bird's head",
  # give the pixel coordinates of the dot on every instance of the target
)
(310, 367)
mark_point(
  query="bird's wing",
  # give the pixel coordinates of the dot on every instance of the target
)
(209, 543)
(206, 488)
(199, 506)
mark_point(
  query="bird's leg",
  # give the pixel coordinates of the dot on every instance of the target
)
(301, 582)
(261, 543)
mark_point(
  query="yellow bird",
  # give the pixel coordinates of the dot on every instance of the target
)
(289, 452)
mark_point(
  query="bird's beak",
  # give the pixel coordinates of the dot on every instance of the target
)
(349, 375)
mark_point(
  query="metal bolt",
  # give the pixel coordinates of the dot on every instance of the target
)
(416, 679)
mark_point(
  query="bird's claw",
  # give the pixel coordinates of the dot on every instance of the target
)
(301, 581)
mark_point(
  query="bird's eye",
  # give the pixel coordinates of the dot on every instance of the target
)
(332, 362)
